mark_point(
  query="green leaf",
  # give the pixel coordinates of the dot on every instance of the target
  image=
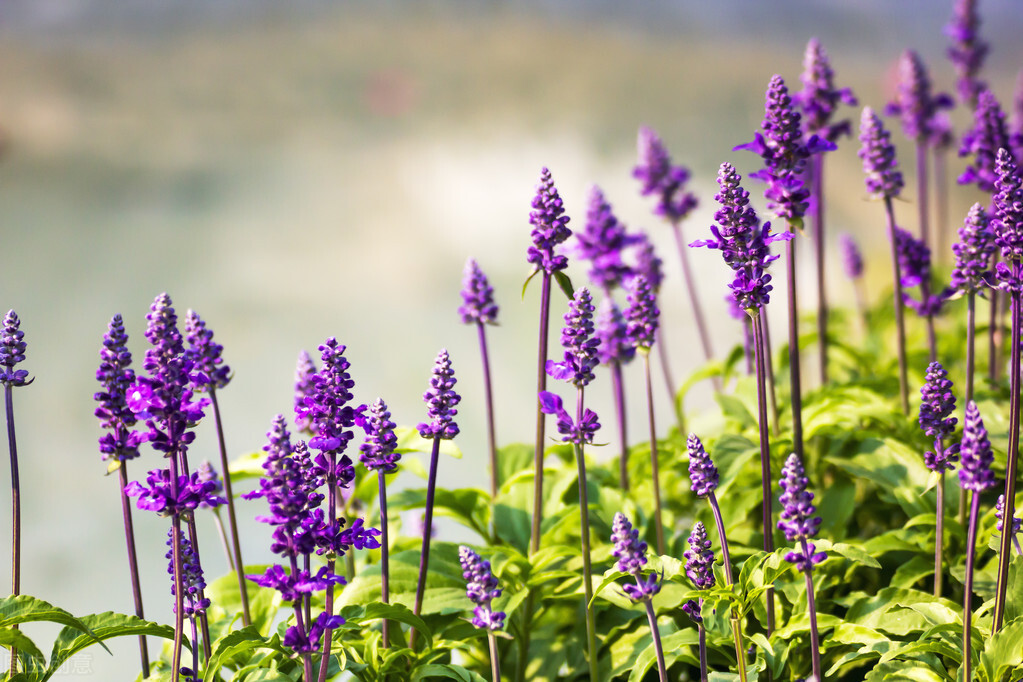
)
(565, 284)
(736, 410)
(398, 612)
(263, 601)
(448, 671)
(27, 650)
(850, 552)
(470, 506)
(409, 440)
(247, 465)
(26, 609)
(1014, 590)
(235, 643)
(513, 458)
(1004, 650)
(528, 280)
(99, 627)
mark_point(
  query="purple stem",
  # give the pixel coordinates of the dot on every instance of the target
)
(179, 601)
(994, 336)
(307, 662)
(971, 324)
(941, 203)
(703, 649)
(765, 454)
(655, 470)
(817, 220)
(488, 392)
(424, 557)
(193, 537)
(769, 368)
(224, 542)
(971, 553)
(619, 396)
(232, 518)
(385, 572)
(195, 645)
(900, 322)
(662, 669)
(932, 339)
(811, 607)
(495, 659)
(331, 562)
(133, 564)
(740, 650)
(939, 529)
(794, 372)
(1012, 453)
(921, 191)
(541, 385)
(584, 518)
(701, 324)
(15, 509)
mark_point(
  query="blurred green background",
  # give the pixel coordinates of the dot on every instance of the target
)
(300, 170)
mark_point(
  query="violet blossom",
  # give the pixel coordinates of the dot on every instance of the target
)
(481, 588)
(550, 227)
(477, 296)
(982, 142)
(659, 177)
(121, 441)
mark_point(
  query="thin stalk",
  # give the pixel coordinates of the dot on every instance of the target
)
(921, 191)
(747, 345)
(769, 368)
(703, 649)
(15, 509)
(1012, 455)
(811, 607)
(495, 658)
(133, 564)
(224, 542)
(193, 537)
(541, 385)
(694, 300)
(794, 371)
(488, 392)
(232, 518)
(971, 553)
(994, 337)
(424, 557)
(195, 646)
(658, 522)
(332, 501)
(939, 532)
(971, 323)
(900, 323)
(662, 669)
(584, 518)
(765, 454)
(385, 572)
(618, 387)
(300, 623)
(740, 650)
(817, 222)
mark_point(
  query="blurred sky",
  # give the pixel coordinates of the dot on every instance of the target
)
(300, 170)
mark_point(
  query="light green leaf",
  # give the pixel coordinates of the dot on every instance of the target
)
(100, 626)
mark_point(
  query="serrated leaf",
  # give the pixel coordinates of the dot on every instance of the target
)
(27, 650)
(26, 609)
(235, 643)
(101, 626)
(1003, 650)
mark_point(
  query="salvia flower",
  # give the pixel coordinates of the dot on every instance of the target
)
(208, 368)
(116, 376)
(191, 576)
(936, 407)
(852, 258)
(441, 400)
(699, 567)
(328, 408)
(1017, 523)
(659, 177)
(613, 334)
(988, 134)
(648, 263)
(1008, 223)
(631, 554)
(602, 242)
(481, 588)
(551, 403)
(642, 314)
(975, 450)
(914, 102)
(158, 497)
(819, 98)
(579, 341)
(305, 382)
(973, 252)
(12, 351)
(703, 475)
(378, 451)
(302, 643)
(797, 519)
(477, 296)
(967, 51)
(205, 473)
(550, 227)
(883, 177)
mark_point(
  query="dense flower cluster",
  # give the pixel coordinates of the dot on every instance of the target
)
(602, 242)
(631, 554)
(1008, 219)
(327, 406)
(305, 382)
(975, 471)
(612, 332)
(699, 567)
(648, 263)
(883, 177)
(205, 473)
(743, 242)
(551, 403)
(378, 450)
(703, 475)
(797, 519)
(12, 351)
(988, 134)
(914, 102)
(208, 368)
(192, 578)
(550, 227)
(852, 258)
(819, 98)
(973, 252)
(441, 399)
(967, 51)
(121, 441)
(915, 268)
(642, 315)
(477, 296)
(159, 495)
(579, 341)
(481, 588)
(937, 405)
(659, 177)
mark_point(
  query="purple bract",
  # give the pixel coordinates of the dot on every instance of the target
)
(602, 242)
(819, 98)
(441, 400)
(982, 142)
(481, 588)
(208, 368)
(116, 376)
(975, 450)
(579, 342)
(852, 259)
(797, 519)
(613, 334)
(973, 252)
(914, 102)
(703, 475)
(967, 51)
(305, 383)
(883, 177)
(551, 403)
(659, 177)
(642, 314)
(937, 405)
(550, 227)
(191, 576)
(378, 451)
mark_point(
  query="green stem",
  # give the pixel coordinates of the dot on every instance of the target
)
(811, 607)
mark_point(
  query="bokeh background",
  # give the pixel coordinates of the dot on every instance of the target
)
(307, 169)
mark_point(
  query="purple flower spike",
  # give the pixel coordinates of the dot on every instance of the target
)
(967, 51)
(327, 407)
(700, 558)
(631, 554)
(191, 576)
(602, 243)
(551, 403)
(914, 258)
(477, 296)
(205, 473)
(936, 407)
(208, 368)
(157, 496)
(1017, 524)
(914, 102)
(648, 263)
(441, 400)
(975, 471)
(481, 588)
(116, 376)
(703, 475)
(797, 519)
(988, 134)
(550, 227)
(378, 451)
(579, 342)
(613, 334)
(852, 258)
(305, 384)
(1008, 223)
(883, 178)
(642, 314)
(12, 351)
(973, 252)
(659, 177)
(819, 98)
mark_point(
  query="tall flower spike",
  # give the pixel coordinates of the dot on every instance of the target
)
(12, 351)
(797, 519)
(659, 177)
(208, 368)
(378, 451)
(883, 178)
(327, 407)
(699, 568)
(613, 334)
(551, 403)
(191, 576)
(988, 134)
(914, 102)
(973, 252)
(441, 400)
(305, 371)
(631, 554)
(1008, 226)
(703, 475)
(642, 314)
(116, 376)
(602, 242)
(481, 588)
(550, 227)
(852, 259)
(579, 342)
(477, 296)
(975, 471)
(937, 405)
(648, 263)
(967, 51)
(914, 258)
(819, 98)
